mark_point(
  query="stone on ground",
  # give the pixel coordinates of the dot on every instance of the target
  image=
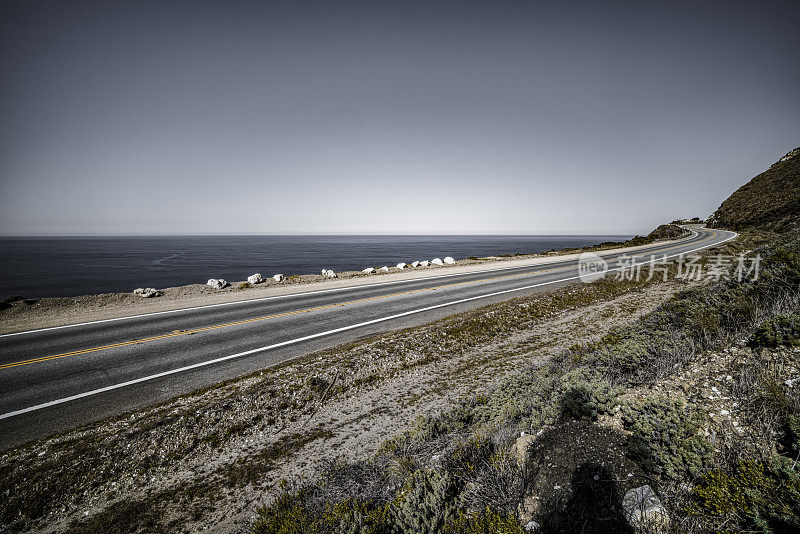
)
(216, 283)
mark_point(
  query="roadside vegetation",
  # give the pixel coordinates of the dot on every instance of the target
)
(638, 394)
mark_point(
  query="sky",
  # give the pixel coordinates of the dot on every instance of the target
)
(403, 117)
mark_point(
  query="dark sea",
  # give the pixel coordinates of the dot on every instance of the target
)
(71, 266)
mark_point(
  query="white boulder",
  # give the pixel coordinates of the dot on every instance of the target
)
(147, 292)
(216, 283)
(643, 510)
(437, 261)
(368, 270)
(424, 263)
(255, 278)
(449, 261)
(384, 269)
(328, 273)
(415, 264)
(401, 265)
(278, 278)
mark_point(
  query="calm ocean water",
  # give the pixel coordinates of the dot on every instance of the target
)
(69, 266)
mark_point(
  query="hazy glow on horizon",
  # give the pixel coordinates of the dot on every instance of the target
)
(387, 117)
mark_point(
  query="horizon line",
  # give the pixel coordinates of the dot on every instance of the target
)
(306, 234)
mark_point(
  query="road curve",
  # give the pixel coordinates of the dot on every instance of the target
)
(54, 379)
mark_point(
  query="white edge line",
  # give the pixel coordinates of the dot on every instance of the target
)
(306, 338)
(288, 295)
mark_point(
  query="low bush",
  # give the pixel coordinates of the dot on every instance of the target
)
(780, 330)
(664, 437)
(525, 397)
(425, 503)
(286, 515)
(465, 456)
(585, 395)
(483, 522)
(354, 517)
(497, 484)
(753, 496)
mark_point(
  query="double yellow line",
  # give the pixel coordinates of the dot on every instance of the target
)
(178, 333)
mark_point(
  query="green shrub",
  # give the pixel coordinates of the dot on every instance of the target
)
(763, 496)
(425, 503)
(664, 437)
(626, 347)
(586, 395)
(498, 484)
(780, 330)
(465, 456)
(526, 395)
(290, 514)
(786, 258)
(353, 517)
(484, 522)
(286, 515)
(793, 432)
(720, 494)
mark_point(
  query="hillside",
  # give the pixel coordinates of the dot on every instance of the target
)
(667, 231)
(770, 201)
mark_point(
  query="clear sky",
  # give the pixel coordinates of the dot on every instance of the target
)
(390, 117)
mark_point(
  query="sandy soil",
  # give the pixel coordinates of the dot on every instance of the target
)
(31, 314)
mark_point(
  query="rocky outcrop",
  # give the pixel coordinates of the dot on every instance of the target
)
(643, 510)
(216, 283)
(522, 448)
(255, 278)
(529, 505)
(790, 155)
(147, 292)
(449, 261)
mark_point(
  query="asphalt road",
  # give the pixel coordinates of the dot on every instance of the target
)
(55, 379)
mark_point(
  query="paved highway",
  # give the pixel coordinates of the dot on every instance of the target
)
(53, 379)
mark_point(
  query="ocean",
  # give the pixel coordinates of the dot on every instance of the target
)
(71, 266)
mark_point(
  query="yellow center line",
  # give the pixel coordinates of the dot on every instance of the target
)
(177, 333)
